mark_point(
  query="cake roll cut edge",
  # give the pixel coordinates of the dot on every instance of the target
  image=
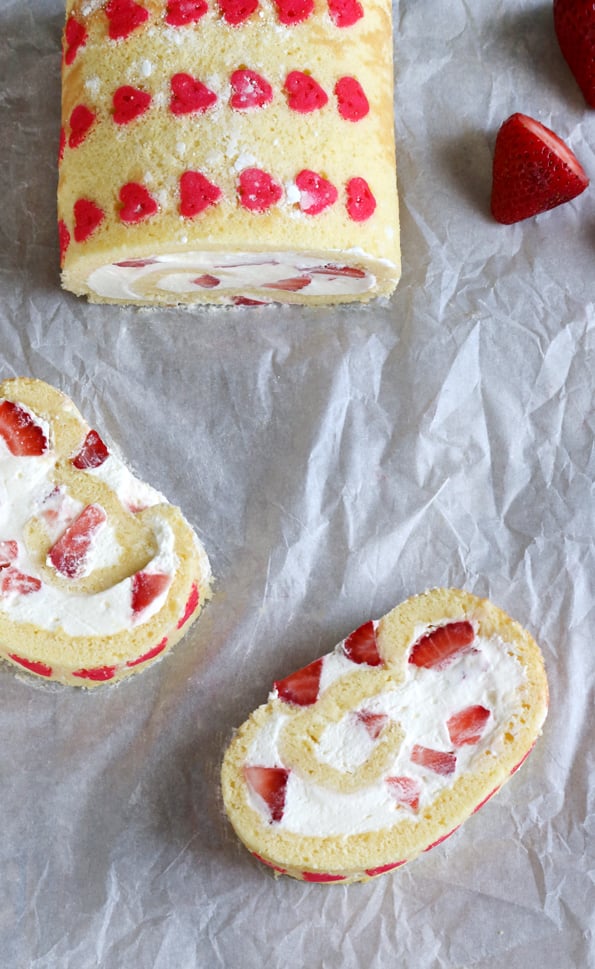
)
(158, 204)
(276, 814)
(100, 576)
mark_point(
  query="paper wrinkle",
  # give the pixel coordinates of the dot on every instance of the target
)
(333, 463)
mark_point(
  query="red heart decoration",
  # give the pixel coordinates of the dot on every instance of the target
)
(81, 120)
(124, 17)
(75, 37)
(304, 94)
(197, 193)
(137, 203)
(360, 201)
(345, 13)
(316, 193)
(189, 95)
(249, 90)
(352, 102)
(235, 12)
(87, 218)
(293, 11)
(129, 103)
(180, 13)
(258, 190)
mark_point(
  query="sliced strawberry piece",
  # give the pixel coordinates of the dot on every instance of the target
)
(316, 192)
(352, 102)
(63, 240)
(189, 95)
(574, 23)
(331, 270)
(97, 673)
(34, 666)
(146, 587)
(292, 285)
(345, 13)
(533, 171)
(301, 687)
(9, 551)
(442, 645)
(440, 761)
(405, 790)
(124, 17)
(206, 281)
(270, 784)
(87, 218)
(68, 554)
(197, 193)
(468, 725)
(15, 582)
(92, 454)
(75, 37)
(304, 94)
(373, 722)
(22, 436)
(137, 203)
(136, 263)
(150, 655)
(191, 605)
(180, 13)
(292, 12)
(258, 190)
(361, 203)
(81, 121)
(361, 646)
(235, 12)
(249, 90)
(129, 103)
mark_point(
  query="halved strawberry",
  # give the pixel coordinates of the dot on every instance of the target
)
(68, 554)
(440, 761)
(249, 90)
(146, 587)
(467, 726)
(439, 647)
(13, 581)
(270, 784)
(301, 687)
(533, 171)
(92, 454)
(373, 722)
(405, 790)
(361, 646)
(22, 435)
(574, 23)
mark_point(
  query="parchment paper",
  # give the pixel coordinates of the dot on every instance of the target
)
(334, 462)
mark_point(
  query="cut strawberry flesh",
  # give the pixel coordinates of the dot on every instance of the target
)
(206, 281)
(146, 587)
(361, 646)
(442, 645)
(270, 784)
(9, 551)
(289, 285)
(22, 435)
(13, 581)
(301, 687)
(405, 790)
(468, 725)
(92, 454)
(330, 270)
(439, 761)
(69, 553)
(373, 722)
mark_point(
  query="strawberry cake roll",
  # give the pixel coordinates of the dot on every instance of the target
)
(381, 749)
(99, 574)
(228, 151)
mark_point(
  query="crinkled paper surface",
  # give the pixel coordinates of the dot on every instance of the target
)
(334, 462)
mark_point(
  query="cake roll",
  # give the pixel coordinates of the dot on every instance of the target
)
(378, 751)
(228, 151)
(99, 574)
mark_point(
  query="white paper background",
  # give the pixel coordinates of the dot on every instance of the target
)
(334, 462)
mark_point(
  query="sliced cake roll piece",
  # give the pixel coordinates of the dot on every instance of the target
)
(380, 750)
(99, 574)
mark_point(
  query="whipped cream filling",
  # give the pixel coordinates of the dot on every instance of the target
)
(29, 495)
(189, 273)
(489, 675)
